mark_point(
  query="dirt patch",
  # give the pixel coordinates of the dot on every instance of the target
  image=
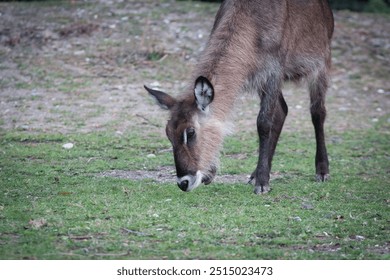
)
(168, 175)
(76, 67)
(380, 249)
(326, 248)
(163, 175)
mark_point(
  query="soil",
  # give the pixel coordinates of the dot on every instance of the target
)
(167, 175)
(77, 68)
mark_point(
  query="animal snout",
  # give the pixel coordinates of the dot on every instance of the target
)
(183, 185)
(189, 182)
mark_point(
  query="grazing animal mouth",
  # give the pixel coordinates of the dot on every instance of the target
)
(190, 182)
(207, 180)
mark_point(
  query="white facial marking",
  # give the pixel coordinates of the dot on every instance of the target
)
(185, 137)
(197, 182)
(193, 181)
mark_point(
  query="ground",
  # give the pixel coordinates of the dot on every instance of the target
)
(81, 67)
(72, 68)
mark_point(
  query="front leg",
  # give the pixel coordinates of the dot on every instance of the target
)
(273, 112)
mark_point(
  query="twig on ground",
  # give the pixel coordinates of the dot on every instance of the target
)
(138, 233)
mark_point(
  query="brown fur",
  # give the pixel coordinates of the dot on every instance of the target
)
(254, 45)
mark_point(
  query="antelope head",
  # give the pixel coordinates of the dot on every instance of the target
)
(196, 136)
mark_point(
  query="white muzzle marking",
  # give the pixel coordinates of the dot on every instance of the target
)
(193, 181)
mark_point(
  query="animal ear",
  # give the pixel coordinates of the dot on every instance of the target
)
(164, 100)
(204, 93)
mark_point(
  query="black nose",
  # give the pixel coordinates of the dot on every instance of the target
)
(183, 185)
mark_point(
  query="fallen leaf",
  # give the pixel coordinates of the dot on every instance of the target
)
(297, 218)
(130, 231)
(65, 193)
(307, 206)
(68, 146)
(357, 237)
(38, 223)
(80, 237)
(339, 218)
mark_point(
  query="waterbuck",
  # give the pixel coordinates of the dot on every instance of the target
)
(254, 46)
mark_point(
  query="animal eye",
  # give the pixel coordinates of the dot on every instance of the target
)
(190, 132)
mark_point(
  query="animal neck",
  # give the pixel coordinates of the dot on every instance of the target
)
(228, 61)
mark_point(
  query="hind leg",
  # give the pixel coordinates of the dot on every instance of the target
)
(317, 88)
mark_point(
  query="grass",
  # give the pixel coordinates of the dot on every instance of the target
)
(377, 6)
(53, 204)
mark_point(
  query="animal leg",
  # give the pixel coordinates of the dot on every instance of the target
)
(278, 122)
(317, 90)
(273, 112)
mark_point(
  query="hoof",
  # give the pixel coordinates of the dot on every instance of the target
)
(262, 189)
(322, 177)
(251, 178)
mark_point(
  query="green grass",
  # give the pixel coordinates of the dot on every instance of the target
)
(53, 204)
(377, 6)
